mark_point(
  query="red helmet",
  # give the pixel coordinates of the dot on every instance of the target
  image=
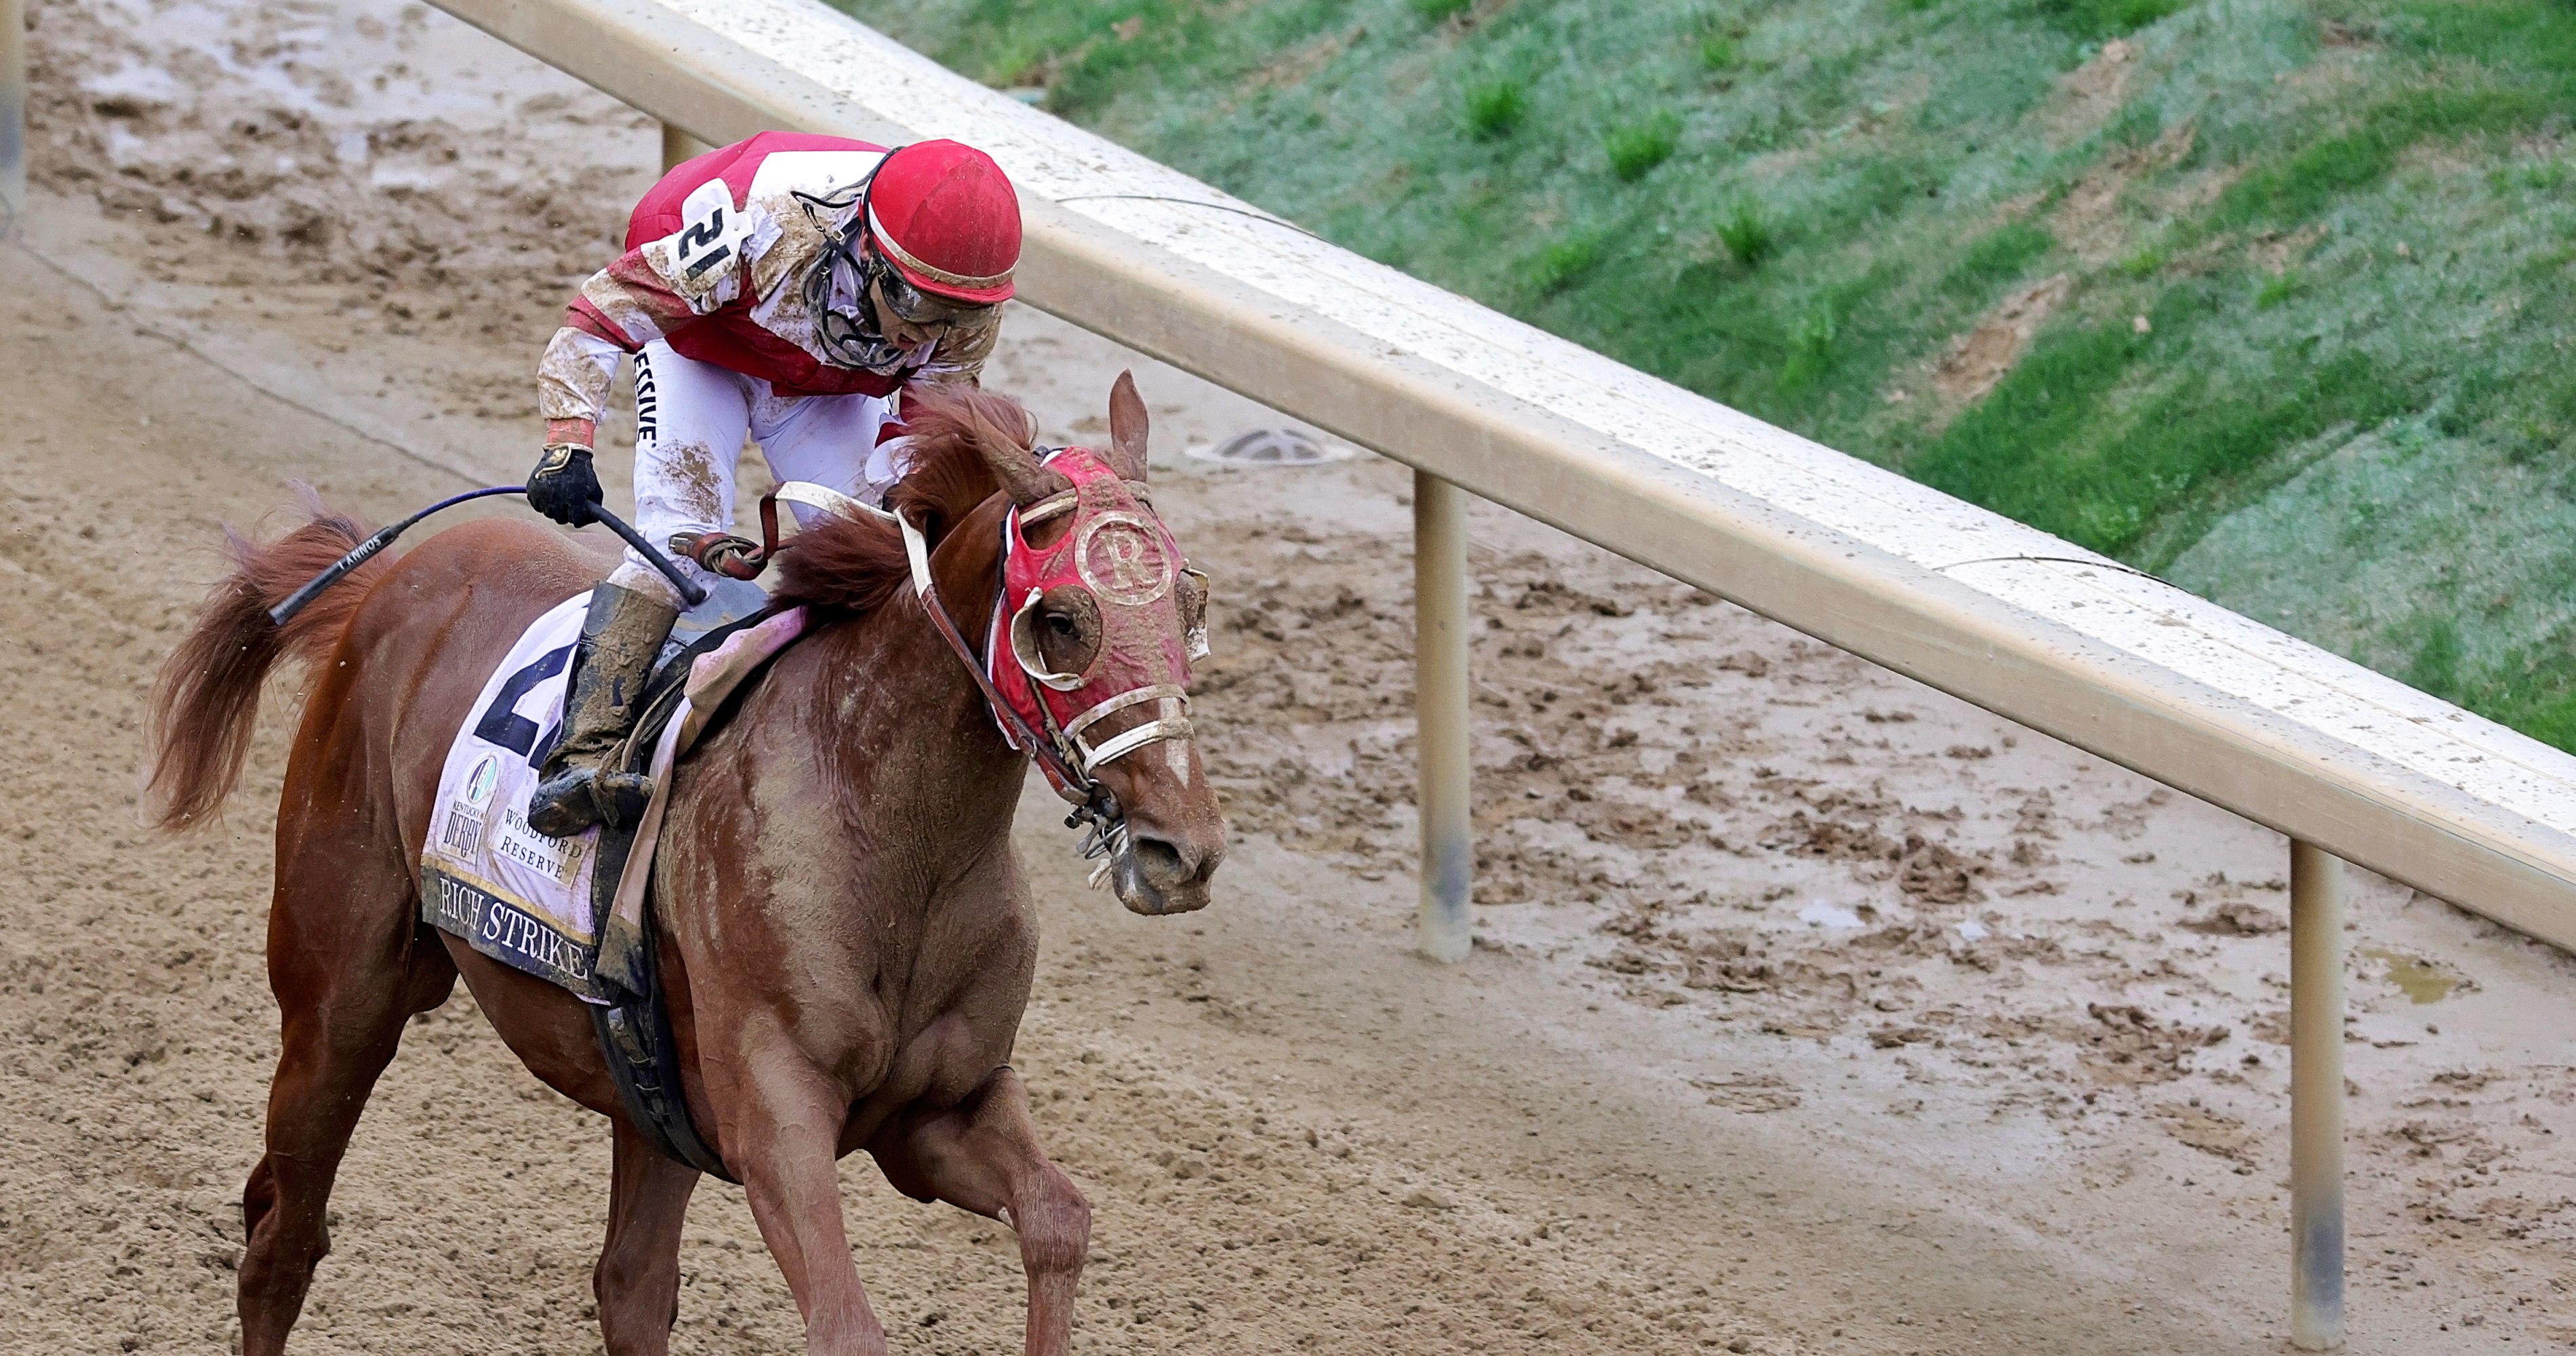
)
(948, 220)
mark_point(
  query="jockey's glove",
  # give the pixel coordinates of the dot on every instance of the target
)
(564, 487)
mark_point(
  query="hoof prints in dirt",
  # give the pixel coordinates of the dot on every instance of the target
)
(1710, 813)
(243, 146)
(1715, 817)
(1311, 710)
(1620, 738)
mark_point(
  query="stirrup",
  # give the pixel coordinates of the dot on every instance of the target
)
(582, 797)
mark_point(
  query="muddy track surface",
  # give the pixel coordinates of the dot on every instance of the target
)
(1812, 1011)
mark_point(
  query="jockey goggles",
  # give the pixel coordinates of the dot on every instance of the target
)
(913, 306)
(843, 275)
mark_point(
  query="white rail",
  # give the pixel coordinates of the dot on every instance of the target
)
(2342, 760)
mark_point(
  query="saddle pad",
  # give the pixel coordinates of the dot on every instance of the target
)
(512, 893)
(532, 902)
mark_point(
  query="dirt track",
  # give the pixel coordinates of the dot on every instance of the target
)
(1818, 1013)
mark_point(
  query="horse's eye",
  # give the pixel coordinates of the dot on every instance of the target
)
(1062, 625)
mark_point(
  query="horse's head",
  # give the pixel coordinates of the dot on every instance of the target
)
(1100, 615)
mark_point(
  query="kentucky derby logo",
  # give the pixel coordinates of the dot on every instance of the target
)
(1123, 560)
(479, 782)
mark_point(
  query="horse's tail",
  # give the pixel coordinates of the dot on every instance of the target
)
(206, 701)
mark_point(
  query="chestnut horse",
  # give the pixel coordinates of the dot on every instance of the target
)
(847, 942)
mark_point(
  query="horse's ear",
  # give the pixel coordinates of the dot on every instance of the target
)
(1127, 429)
(1007, 453)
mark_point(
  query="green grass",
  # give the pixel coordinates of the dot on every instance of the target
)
(2033, 448)
(1997, 259)
(1495, 108)
(1745, 234)
(2105, 18)
(1635, 150)
(1799, 206)
(2435, 666)
(1562, 263)
(2323, 172)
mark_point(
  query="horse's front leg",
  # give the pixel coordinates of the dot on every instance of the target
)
(982, 1155)
(779, 1123)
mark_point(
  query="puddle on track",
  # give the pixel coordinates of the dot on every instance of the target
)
(2420, 980)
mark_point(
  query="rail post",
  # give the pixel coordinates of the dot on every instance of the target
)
(13, 115)
(1445, 924)
(676, 144)
(2316, 1098)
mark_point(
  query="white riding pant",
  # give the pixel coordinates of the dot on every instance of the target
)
(690, 420)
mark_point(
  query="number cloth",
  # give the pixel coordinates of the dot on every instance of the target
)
(515, 894)
(531, 901)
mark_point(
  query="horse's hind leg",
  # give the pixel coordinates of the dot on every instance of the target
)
(982, 1155)
(638, 1277)
(348, 966)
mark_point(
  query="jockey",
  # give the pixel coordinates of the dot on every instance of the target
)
(785, 288)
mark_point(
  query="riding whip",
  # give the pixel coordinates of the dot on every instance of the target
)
(690, 590)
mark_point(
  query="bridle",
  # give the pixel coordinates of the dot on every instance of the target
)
(1063, 754)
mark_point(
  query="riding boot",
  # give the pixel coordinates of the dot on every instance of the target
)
(619, 641)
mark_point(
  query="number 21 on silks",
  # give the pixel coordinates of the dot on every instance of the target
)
(710, 240)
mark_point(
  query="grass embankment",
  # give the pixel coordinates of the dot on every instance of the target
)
(2273, 299)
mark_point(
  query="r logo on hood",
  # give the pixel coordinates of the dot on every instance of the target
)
(1123, 560)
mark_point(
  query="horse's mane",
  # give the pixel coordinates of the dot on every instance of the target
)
(857, 564)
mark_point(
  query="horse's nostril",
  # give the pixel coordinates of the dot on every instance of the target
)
(1161, 862)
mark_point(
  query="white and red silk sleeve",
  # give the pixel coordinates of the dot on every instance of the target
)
(620, 309)
(888, 461)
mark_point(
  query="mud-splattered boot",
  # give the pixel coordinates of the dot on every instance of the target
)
(619, 640)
